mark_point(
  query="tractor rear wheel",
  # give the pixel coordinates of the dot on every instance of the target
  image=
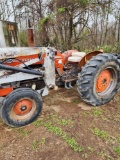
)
(99, 79)
(21, 107)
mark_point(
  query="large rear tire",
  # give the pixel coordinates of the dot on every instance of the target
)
(21, 107)
(99, 79)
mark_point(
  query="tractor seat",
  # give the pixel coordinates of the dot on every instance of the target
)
(76, 56)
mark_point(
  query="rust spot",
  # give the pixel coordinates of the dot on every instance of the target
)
(30, 37)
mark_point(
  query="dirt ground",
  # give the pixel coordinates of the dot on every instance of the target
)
(67, 129)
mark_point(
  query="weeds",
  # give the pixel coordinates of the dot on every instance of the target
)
(85, 113)
(90, 149)
(37, 123)
(24, 133)
(101, 134)
(53, 116)
(62, 122)
(58, 131)
(104, 155)
(36, 143)
(85, 155)
(97, 112)
(43, 141)
(117, 150)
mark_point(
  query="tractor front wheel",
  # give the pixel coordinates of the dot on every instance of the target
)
(99, 79)
(21, 107)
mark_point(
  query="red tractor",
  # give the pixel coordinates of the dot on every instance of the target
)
(27, 74)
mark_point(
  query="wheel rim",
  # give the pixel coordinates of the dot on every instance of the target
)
(106, 81)
(23, 109)
(103, 81)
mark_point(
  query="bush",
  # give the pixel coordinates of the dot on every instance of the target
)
(23, 39)
(110, 48)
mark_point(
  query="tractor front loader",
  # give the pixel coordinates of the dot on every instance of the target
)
(27, 74)
(22, 71)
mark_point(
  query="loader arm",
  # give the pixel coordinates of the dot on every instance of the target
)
(15, 62)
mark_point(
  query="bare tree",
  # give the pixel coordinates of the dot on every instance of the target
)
(71, 24)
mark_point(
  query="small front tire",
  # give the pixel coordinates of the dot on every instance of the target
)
(21, 107)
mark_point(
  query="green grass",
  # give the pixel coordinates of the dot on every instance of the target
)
(37, 123)
(61, 121)
(100, 133)
(90, 149)
(86, 113)
(36, 143)
(104, 155)
(23, 132)
(56, 125)
(48, 124)
(117, 150)
(70, 141)
(64, 122)
(43, 141)
(97, 112)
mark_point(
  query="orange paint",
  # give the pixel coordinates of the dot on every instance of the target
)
(61, 59)
(22, 107)
(103, 81)
(25, 59)
(59, 62)
(5, 91)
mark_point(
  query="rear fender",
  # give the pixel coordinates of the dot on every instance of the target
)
(88, 57)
